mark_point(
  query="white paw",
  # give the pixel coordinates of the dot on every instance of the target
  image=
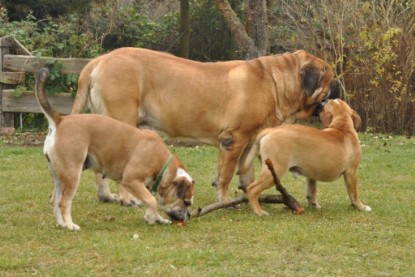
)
(367, 209)
(72, 227)
(262, 213)
(163, 220)
(149, 219)
(314, 206)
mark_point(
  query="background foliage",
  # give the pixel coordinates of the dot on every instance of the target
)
(370, 44)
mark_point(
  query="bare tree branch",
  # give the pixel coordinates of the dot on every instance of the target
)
(274, 199)
(285, 198)
(288, 200)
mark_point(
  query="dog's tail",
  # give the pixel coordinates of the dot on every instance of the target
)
(253, 153)
(52, 116)
(82, 95)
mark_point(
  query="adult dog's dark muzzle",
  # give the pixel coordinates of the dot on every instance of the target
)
(335, 92)
(320, 107)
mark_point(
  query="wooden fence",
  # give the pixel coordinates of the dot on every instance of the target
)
(15, 62)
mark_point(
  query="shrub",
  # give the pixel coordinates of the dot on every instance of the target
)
(372, 49)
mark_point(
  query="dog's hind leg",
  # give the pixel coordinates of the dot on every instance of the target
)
(103, 192)
(230, 150)
(68, 184)
(312, 194)
(56, 196)
(350, 179)
(265, 181)
(249, 176)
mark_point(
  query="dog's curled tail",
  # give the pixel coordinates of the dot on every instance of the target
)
(52, 116)
(253, 153)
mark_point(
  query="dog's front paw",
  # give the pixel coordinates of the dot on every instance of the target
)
(134, 202)
(126, 198)
(314, 205)
(261, 213)
(163, 220)
(107, 198)
(152, 217)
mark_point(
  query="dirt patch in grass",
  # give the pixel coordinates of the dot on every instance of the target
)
(9, 136)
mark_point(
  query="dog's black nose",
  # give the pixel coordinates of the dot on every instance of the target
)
(179, 215)
(336, 90)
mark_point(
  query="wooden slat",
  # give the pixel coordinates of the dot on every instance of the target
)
(62, 102)
(6, 45)
(12, 78)
(32, 64)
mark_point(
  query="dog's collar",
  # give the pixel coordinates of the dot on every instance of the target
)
(160, 176)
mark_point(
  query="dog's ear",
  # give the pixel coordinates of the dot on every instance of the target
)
(326, 119)
(357, 121)
(310, 79)
(184, 190)
(181, 188)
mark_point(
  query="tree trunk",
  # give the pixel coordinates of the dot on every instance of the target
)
(243, 41)
(184, 29)
(256, 25)
(233, 49)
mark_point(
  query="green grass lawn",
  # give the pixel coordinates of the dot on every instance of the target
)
(115, 241)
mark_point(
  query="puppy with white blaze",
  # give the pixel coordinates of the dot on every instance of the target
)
(319, 155)
(137, 159)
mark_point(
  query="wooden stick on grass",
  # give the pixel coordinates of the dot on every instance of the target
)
(284, 198)
(277, 199)
(289, 200)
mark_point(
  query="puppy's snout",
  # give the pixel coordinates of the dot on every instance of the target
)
(320, 108)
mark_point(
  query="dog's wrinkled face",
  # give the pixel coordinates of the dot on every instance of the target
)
(175, 198)
(316, 78)
(332, 109)
(317, 83)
